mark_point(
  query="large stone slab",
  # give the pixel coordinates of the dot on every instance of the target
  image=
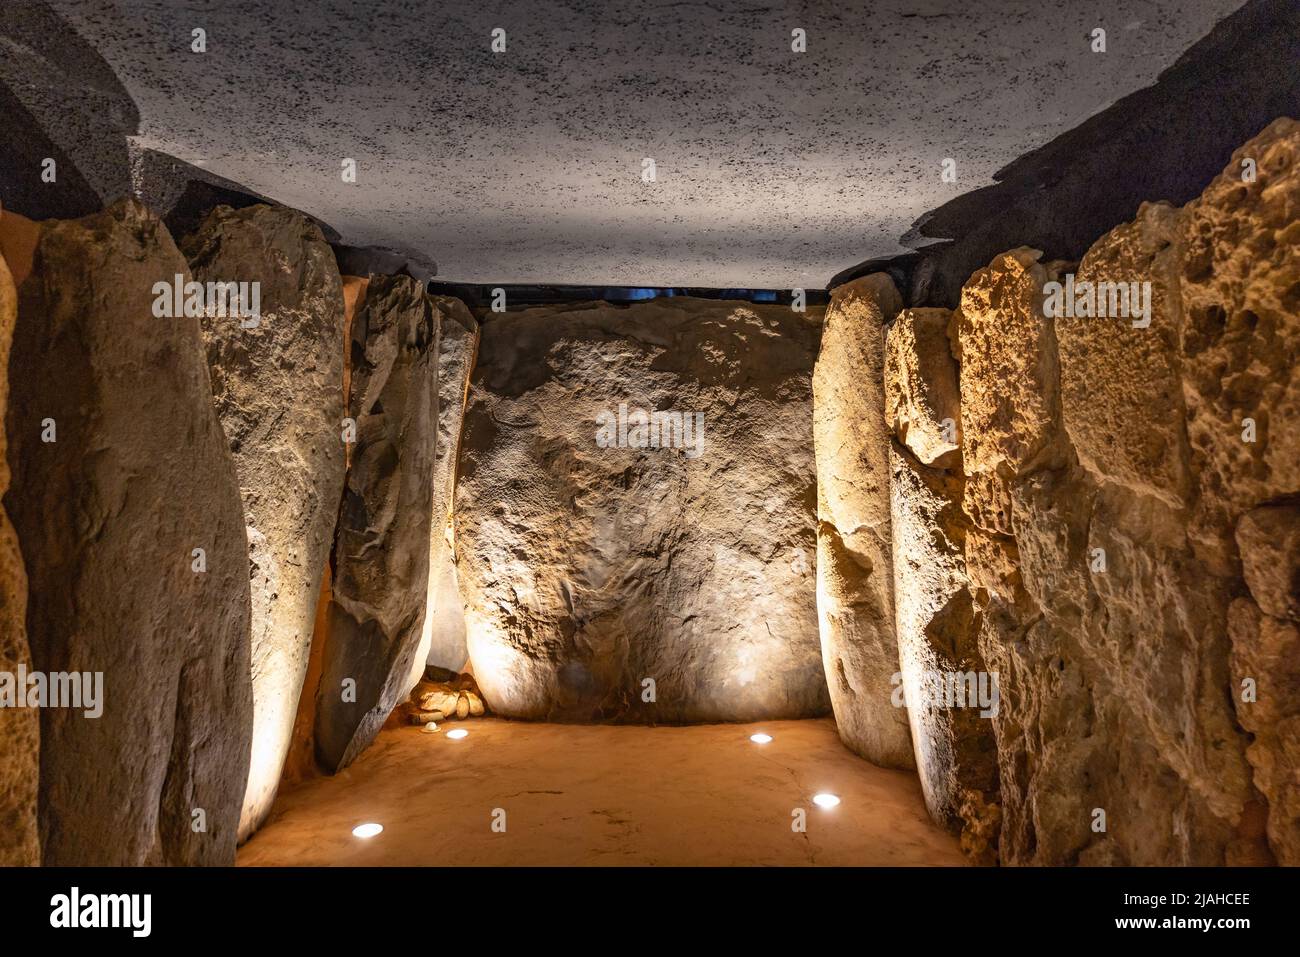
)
(1121, 380)
(443, 643)
(922, 404)
(1241, 337)
(19, 727)
(381, 550)
(277, 381)
(609, 578)
(951, 696)
(855, 578)
(109, 517)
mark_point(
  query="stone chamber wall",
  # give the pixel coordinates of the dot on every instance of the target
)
(261, 533)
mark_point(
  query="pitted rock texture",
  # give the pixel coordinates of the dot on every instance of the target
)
(1121, 380)
(381, 550)
(109, 517)
(1266, 653)
(1241, 336)
(19, 727)
(1105, 705)
(949, 696)
(921, 393)
(606, 578)
(854, 562)
(1111, 542)
(442, 643)
(1268, 538)
(277, 379)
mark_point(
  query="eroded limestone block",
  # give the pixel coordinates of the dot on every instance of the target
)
(921, 393)
(111, 518)
(381, 552)
(1266, 689)
(1121, 381)
(1010, 399)
(855, 578)
(277, 379)
(442, 642)
(635, 513)
(19, 727)
(952, 698)
(1268, 538)
(1241, 338)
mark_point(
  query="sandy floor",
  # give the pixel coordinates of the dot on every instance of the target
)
(604, 795)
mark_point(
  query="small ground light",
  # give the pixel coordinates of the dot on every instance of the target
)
(760, 738)
(367, 830)
(825, 800)
(457, 734)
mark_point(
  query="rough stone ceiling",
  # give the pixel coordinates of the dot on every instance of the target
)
(774, 169)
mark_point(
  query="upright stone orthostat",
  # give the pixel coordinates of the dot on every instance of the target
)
(127, 508)
(855, 579)
(277, 381)
(634, 514)
(442, 642)
(381, 550)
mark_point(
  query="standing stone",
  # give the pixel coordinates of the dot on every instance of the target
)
(19, 727)
(634, 513)
(442, 642)
(854, 558)
(951, 696)
(922, 405)
(278, 384)
(381, 551)
(1241, 337)
(109, 517)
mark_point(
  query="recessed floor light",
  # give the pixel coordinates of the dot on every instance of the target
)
(825, 800)
(760, 738)
(367, 830)
(457, 734)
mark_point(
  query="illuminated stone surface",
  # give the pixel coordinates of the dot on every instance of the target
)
(381, 552)
(854, 562)
(278, 389)
(108, 518)
(588, 571)
(443, 640)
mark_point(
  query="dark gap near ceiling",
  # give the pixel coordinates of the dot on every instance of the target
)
(479, 296)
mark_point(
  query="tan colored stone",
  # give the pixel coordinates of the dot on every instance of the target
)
(1268, 538)
(588, 569)
(941, 667)
(19, 727)
(1266, 650)
(921, 393)
(1241, 338)
(1121, 384)
(109, 517)
(443, 639)
(854, 562)
(1010, 406)
(278, 387)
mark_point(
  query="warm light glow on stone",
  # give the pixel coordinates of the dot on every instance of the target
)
(760, 738)
(367, 830)
(457, 734)
(825, 800)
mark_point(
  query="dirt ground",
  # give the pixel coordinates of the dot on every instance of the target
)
(601, 794)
